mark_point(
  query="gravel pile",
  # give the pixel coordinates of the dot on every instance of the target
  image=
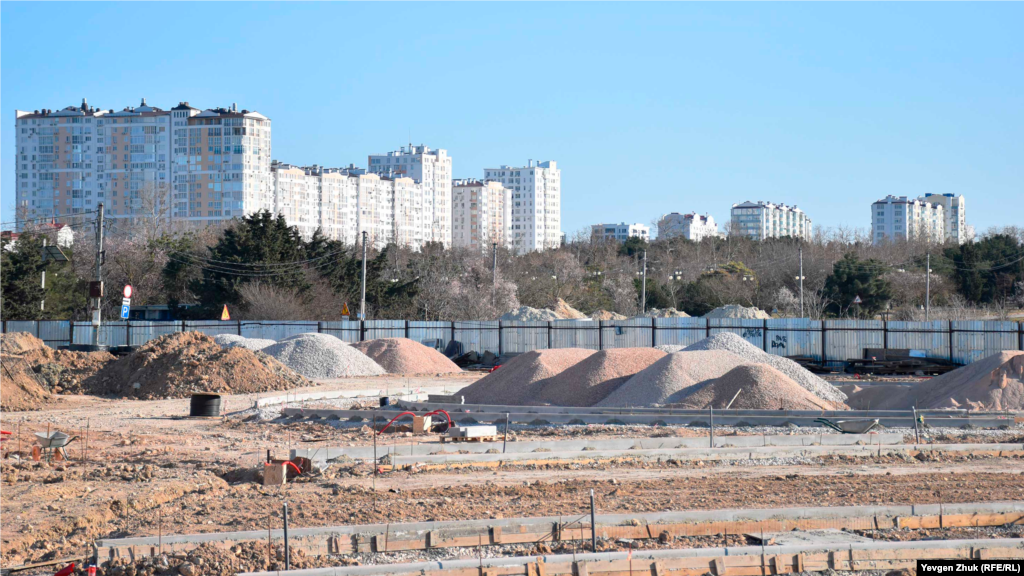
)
(526, 313)
(737, 311)
(405, 356)
(516, 381)
(672, 378)
(607, 315)
(992, 383)
(322, 356)
(670, 348)
(592, 379)
(666, 313)
(233, 340)
(760, 387)
(733, 343)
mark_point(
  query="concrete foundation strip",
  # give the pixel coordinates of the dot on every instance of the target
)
(424, 535)
(421, 394)
(732, 561)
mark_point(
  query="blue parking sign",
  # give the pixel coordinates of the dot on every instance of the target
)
(124, 312)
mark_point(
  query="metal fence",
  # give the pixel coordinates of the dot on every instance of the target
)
(828, 342)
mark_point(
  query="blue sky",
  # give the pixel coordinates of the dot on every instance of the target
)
(648, 108)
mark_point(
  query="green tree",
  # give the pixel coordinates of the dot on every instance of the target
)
(632, 246)
(21, 268)
(985, 271)
(851, 278)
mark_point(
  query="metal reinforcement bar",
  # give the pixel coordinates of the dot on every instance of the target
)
(731, 561)
(584, 445)
(697, 418)
(426, 535)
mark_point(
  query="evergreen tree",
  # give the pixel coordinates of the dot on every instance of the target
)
(852, 278)
(21, 290)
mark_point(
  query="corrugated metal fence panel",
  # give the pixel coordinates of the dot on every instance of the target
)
(976, 339)
(679, 331)
(845, 339)
(794, 337)
(629, 333)
(30, 326)
(751, 330)
(385, 329)
(426, 332)
(212, 327)
(575, 334)
(277, 330)
(346, 330)
(932, 337)
(144, 331)
(519, 336)
(55, 332)
(479, 336)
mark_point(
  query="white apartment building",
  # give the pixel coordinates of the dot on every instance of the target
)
(691, 226)
(954, 210)
(760, 220)
(535, 221)
(902, 218)
(297, 196)
(431, 168)
(619, 232)
(480, 212)
(142, 161)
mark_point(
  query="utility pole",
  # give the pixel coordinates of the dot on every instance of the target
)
(42, 303)
(801, 251)
(97, 302)
(494, 273)
(362, 293)
(643, 280)
(927, 285)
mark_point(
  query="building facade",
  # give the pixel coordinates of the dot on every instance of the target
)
(760, 220)
(954, 211)
(901, 218)
(535, 211)
(691, 226)
(480, 213)
(432, 169)
(619, 232)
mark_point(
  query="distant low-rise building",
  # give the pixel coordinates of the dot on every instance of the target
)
(903, 218)
(690, 226)
(954, 212)
(760, 220)
(620, 232)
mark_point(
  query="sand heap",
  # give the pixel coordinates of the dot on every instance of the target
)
(760, 387)
(232, 340)
(322, 356)
(737, 311)
(992, 383)
(871, 396)
(672, 378)
(666, 313)
(19, 342)
(737, 345)
(516, 381)
(526, 313)
(593, 378)
(58, 371)
(405, 356)
(176, 365)
(20, 388)
(607, 315)
(567, 312)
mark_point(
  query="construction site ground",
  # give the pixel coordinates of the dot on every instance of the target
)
(147, 470)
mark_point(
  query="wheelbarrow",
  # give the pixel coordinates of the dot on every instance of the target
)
(54, 441)
(859, 426)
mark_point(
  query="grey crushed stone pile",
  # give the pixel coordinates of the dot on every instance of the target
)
(672, 378)
(233, 340)
(734, 343)
(322, 356)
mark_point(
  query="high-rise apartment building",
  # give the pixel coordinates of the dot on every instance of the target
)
(535, 213)
(480, 213)
(691, 226)
(902, 218)
(182, 164)
(297, 196)
(619, 232)
(954, 211)
(431, 168)
(760, 220)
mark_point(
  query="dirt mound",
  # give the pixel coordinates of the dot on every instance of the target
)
(871, 396)
(607, 315)
(516, 381)
(670, 379)
(19, 387)
(405, 356)
(597, 376)
(567, 312)
(176, 365)
(992, 383)
(19, 343)
(737, 311)
(760, 387)
(666, 313)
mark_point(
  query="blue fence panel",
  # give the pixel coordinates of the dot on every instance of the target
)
(481, 336)
(520, 336)
(385, 329)
(679, 331)
(346, 330)
(930, 338)
(142, 331)
(846, 339)
(794, 337)
(751, 330)
(277, 330)
(212, 327)
(977, 339)
(432, 333)
(575, 334)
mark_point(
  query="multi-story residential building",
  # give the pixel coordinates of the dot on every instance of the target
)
(760, 220)
(432, 169)
(535, 215)
(297, 196)
(902, 218)
(619, 232)
(182, 164)
(691, 226)
(480, 211)
(954, 210)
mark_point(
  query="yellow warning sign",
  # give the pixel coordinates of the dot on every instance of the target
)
(224, 315)
(344, 310)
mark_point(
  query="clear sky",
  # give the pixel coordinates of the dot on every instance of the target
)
(647, 107)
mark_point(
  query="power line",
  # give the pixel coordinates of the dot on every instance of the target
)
(51, 218)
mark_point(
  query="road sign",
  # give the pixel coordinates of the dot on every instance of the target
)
(126, 301)
(856, 300)
(124, 312)
(127, 290)
(344, 310)
(224, 314)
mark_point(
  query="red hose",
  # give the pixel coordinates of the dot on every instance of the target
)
(393, 419)
(446, 415)
(297, 469)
